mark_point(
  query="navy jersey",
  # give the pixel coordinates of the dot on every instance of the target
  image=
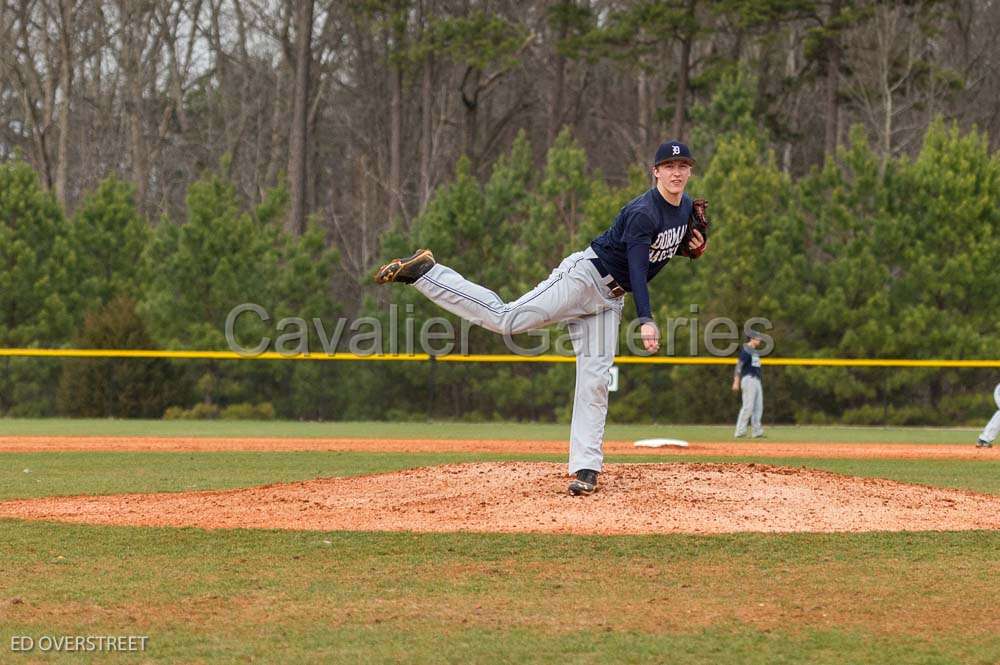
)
(644, 237)
(748, 363)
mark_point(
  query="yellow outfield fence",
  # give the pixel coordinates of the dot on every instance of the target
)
(487, 358)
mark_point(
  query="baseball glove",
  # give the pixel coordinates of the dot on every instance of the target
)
(697, 222)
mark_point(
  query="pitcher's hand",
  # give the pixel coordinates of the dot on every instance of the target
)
(697, 244)
(650, 337)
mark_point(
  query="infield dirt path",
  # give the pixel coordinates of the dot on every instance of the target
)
(726, 449)
(532, 497)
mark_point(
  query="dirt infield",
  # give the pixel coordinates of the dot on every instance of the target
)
(531, 497)
(727, 449)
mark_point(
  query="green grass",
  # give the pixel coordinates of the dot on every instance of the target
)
(229, 596)
(25, 475)
(455, 430)
(65, 474)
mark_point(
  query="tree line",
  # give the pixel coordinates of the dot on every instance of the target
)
(862, 257)
(362, 108)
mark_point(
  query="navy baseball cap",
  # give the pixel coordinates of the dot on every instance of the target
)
(672, 151)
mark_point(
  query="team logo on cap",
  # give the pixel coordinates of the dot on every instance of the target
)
(670, 151)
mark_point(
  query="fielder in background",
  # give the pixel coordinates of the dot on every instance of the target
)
(747, 378)
(586, 290)
(993, 427)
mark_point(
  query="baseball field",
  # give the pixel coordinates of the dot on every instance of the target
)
(437, 542)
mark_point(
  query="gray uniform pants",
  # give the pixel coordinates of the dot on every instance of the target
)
(993, 427)
(576, 293)
(753, 406)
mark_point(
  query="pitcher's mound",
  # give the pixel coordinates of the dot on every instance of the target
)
(521, 496)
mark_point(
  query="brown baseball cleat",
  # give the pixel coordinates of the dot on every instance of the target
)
(406, 270)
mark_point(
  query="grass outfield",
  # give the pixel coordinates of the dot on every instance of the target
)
(330, 597)
(455, 430)
(290, 597)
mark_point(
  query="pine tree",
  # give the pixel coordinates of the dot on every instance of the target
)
(117, 387)
(38, 302)
(109, 236)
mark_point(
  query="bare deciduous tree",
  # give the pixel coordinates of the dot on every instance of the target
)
(298, 148)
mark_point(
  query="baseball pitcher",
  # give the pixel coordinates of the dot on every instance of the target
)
(586, 290)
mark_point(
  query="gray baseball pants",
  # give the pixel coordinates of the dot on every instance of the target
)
(575, 293)
(753, 406)
(993, 427)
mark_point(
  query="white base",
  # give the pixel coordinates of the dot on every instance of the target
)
(659, 443)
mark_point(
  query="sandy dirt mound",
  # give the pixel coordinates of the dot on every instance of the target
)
(25, 444)
(531, 497)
